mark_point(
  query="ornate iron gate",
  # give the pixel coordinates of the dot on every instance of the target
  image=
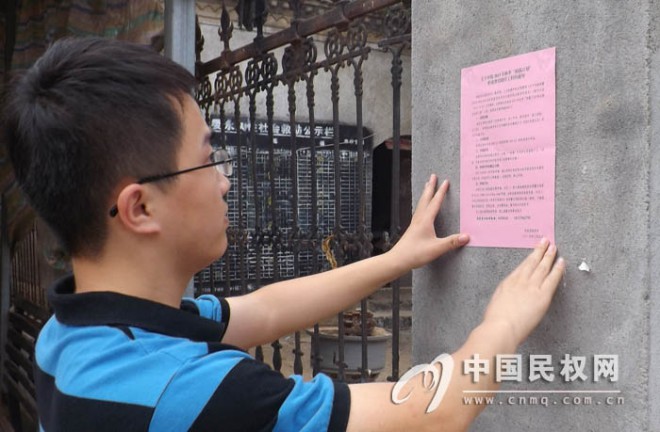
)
(301, 196)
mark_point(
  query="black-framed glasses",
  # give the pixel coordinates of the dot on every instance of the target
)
(219, 159)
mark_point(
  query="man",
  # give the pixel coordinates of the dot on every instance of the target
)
(114, 154)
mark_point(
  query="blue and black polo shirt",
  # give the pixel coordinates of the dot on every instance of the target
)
(110, 362)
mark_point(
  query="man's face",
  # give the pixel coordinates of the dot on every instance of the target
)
(196, 223)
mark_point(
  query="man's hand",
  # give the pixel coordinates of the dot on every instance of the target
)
(522, 299)
(517, 306)
(420, 245)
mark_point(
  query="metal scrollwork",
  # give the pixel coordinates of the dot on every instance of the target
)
(334, 45)
(203, 95)
(356, 37)
(268, 71)
(310, 51)
(397, 21)
(269, 67)
(290, 60)
(252, 73)
(235, 81)
(218, 87)
(298, 58)
(223, 86)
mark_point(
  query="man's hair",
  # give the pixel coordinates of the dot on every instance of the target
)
(89, 113)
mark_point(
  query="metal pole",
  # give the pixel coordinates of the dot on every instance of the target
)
(5, 269)
(180, 47)
(180, 32)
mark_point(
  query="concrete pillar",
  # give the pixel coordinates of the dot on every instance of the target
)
(180, 32)
(607, 197)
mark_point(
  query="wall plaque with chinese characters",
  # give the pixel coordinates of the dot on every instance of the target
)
(508, 151)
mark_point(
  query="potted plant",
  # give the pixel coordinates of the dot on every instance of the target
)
(377, 343)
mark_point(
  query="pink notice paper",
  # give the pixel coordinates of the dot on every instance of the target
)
(508, 151)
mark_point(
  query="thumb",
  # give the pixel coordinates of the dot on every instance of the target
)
(452, 242)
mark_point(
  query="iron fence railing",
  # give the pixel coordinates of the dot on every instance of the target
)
(26, 287)
(301, 196)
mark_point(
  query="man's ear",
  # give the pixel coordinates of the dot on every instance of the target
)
(135, 209)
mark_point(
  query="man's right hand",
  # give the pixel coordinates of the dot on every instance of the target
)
(522, 298)
(516, 308)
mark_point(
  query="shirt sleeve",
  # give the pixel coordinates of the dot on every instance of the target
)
(253, 397)
(208, 306)
(250, 396)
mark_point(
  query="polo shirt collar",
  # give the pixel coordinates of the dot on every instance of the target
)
(111, 308)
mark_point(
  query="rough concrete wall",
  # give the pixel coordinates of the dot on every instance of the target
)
(377, 98)
(654, 235)
(605, 128)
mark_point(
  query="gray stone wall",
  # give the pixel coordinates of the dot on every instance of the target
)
(607, 196)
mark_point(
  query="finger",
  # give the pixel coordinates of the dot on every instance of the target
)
(551, 282)
(532, 261)
(451, 242)
(438, 197)
(427, 194)
(545, 265)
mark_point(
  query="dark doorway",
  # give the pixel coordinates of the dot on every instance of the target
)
(382, 195)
